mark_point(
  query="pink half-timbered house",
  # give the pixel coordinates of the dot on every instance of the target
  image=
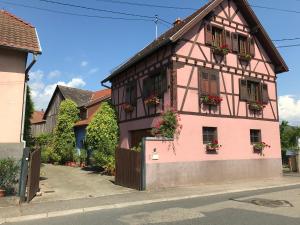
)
(221, 52)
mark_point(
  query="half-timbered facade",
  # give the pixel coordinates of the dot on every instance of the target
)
(218, 68)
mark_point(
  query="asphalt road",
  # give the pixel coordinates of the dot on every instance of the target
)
(280, 206)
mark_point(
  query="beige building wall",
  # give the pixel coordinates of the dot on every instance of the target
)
(12, 78)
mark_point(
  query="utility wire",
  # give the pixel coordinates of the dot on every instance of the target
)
(288, 46)
(75, 14)
(97, 9)
(146, 5)
(287, 39)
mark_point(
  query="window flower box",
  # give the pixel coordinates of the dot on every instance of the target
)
(128, 108)
(245, 57)
(213, 146)
(211, 100)
(220, 50)
(256, 106)
(152, 100)
(260, 146)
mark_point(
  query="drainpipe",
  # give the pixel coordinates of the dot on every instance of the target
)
(24, 97)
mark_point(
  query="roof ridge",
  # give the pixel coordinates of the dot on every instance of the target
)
(64, 86)
(17, 18)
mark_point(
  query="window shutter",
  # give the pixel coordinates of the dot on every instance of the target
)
(133, 94)
(164, 83)
(235, 42)
(127, 93)
(243, 90)
(146, 87)
(204, 81)
(252, 47)
(228, 39)
(214, 84)
(265, 94)
(208, 34)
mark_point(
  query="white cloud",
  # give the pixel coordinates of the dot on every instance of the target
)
(53, 74)
(41, 92)
(289, 109)
(94, 70)
(84, 63)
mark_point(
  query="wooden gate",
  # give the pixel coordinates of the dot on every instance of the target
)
(129, 166)
(33, 174)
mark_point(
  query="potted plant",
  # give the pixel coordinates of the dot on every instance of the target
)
(211, 100)
(168, 126)
(245, 57)
(220, 50)
(213, 146)
(260, 146)
(152, 100)
(128, 108)
(256, 106)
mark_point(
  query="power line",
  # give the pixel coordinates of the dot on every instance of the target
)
(146, 5)
(275, 9)
(75, 14)
(287, 39)
(97, 9)
(288, 46)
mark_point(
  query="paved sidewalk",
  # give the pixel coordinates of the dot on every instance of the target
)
(59, 208)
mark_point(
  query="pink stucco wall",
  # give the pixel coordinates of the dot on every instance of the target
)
(12, 78)
(234, 138)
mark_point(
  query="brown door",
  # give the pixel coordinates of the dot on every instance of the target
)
(138, 135)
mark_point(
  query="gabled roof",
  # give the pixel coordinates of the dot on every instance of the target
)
(79, 96)
(18, 34)
(173, 34)
(97, 98)
(37, 117)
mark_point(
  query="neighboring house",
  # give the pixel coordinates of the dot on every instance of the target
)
(189, 62)
(61, 93)
(88, 103)
(37, 123)
(87, 113)
(18, 39)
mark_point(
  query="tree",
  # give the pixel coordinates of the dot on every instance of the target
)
(289, 136)
(29, 109)
(64, 136)
(103, 136)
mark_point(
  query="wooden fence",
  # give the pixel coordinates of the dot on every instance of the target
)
(129, 169)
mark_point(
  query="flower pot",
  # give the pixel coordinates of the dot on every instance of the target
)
(2, 193)
(208, 148)
(245, 58)
(152, 101)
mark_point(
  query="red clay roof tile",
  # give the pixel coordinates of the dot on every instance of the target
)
(16, 33)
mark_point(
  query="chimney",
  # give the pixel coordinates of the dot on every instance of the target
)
(177, 22)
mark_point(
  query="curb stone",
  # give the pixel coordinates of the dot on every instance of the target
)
(123, 205)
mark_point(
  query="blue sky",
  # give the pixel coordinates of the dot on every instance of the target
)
(80, 51)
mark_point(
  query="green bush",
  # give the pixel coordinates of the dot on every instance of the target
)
(103, 136)
(64, 136)
(9, 170)
(44, 142)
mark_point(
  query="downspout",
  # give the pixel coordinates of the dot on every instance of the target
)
(24, 98)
